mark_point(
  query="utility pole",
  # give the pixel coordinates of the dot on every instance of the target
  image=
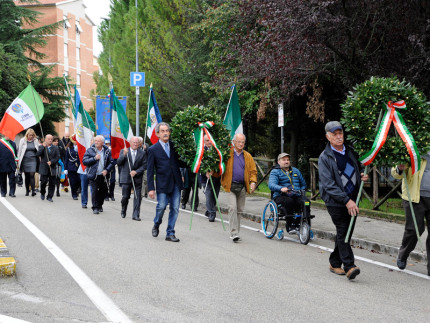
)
(137, 88)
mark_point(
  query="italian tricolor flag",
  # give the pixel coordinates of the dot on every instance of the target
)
(233, 117)
(25, 111)
(84, 128)
(154, 117)
(120, 133)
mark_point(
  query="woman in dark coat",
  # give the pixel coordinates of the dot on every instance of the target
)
(71, 165)
(28, 162)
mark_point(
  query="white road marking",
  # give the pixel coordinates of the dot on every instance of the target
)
(108, 308)
(370, 261)
(8, 319)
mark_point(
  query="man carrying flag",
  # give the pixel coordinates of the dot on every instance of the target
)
(233, 118)
(154, 117)
(121, 132)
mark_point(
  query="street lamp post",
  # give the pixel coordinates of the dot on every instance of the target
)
(137, 88)
(110, 58)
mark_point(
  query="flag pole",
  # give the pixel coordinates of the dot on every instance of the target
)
(231, 94)
(147, 114)
(40, 124)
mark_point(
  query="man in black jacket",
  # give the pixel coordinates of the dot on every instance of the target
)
(49, 156)
(339, 181)
(99, 162)
(8, 160)
(133, 165)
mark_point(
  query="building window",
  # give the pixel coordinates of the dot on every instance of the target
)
(78, 27)
(66, 23)
(66, 49)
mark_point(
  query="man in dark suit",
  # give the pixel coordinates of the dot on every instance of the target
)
(8, 160)
(163, 160)
(133, 164)
(49, 156)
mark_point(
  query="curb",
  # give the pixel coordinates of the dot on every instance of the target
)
(373, 246)
(7, 263)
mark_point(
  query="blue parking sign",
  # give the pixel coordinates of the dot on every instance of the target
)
(137, 79)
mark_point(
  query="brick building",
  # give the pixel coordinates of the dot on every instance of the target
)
(70, 49)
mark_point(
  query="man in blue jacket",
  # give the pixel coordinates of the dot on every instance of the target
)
(99, 162)
(163, 160)
(339, 181)
(284, 182)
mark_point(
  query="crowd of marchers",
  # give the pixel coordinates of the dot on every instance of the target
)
(158, 172)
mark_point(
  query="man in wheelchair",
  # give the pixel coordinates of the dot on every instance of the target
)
(286, 182)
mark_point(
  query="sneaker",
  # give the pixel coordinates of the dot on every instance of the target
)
(235, 238)
(401, 264)
(337, 271)
(352, 273)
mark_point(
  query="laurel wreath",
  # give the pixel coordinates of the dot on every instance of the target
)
(363, 107)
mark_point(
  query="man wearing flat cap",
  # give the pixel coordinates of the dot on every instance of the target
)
(285, 182)
(339, 181)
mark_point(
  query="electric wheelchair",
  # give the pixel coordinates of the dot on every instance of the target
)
(300, 221)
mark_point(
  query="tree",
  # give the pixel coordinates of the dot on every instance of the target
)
(19, 48)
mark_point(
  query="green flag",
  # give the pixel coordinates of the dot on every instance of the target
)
(233, 117)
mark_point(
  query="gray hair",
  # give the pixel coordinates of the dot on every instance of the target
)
(140, 139)
(100, 137)
(157, 127)
(234, 138)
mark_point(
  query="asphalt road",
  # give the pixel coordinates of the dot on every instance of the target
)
(204, 278)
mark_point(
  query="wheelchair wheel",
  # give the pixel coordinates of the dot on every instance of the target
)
(270, 219)
(304, 233)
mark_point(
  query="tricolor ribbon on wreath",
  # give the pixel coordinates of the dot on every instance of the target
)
(199, 137)
(392, 115)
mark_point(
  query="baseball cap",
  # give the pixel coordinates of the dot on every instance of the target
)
(282, 155)
(332, 126)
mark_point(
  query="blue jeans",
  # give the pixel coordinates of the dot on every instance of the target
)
(84, 189)
(173, 200)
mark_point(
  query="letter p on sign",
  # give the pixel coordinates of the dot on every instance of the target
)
(137, 79)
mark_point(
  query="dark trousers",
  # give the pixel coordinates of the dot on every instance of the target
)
(3, 183)
(99, 191)
(75, 182)
(50, 180)
(342, 253)
(210, 198)
(126, 192)
(112, 180)
(422, 212)
(29, 181)
(291, 204)
(186, 193)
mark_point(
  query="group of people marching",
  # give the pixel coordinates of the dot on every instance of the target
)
(339, 180)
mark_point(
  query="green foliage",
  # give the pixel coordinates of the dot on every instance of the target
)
(363, 107)
(183, 126)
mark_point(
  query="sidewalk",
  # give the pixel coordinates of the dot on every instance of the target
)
(371, 234)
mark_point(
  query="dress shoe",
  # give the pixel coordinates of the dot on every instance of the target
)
(27, 193)
(136, 219)
(337, 270)
(112, 199)
(58, 194)
(75, 198)
(49, 199)
(12, 195)
(42, 197)
(100, 209)
(84, 206)
(3, 195)
(155, 231)
(172, 238)
(183, 206)
(353, 272)
(401, 264)
(212, 218)
(96, 211)
(235, 238)
(123, 214)
(33, 194)
(106, 199)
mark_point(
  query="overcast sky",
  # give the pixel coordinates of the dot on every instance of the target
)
(96, 9)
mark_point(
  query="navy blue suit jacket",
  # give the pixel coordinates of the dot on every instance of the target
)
(7, 162)
(166, 169)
